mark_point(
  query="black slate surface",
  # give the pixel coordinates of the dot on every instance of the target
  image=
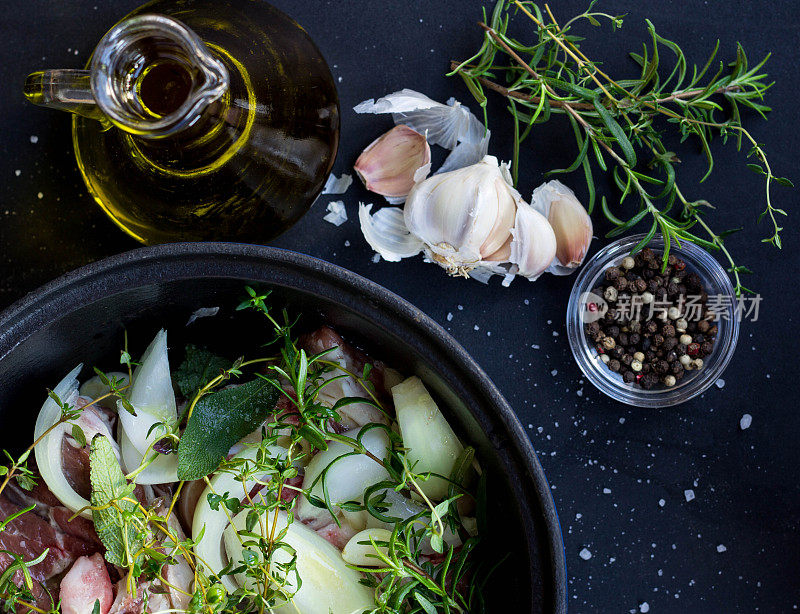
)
(731, 549)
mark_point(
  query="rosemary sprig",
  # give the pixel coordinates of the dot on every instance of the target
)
(615, 121)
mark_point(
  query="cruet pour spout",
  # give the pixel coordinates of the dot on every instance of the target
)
(150, 75)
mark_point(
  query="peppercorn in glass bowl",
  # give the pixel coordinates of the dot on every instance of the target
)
(648, 337)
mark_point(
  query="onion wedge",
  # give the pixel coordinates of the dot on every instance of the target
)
(48, 450)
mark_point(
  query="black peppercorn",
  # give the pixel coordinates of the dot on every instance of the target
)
(629, 377)
(670, 343)
(648, 381)
(614, 365)
(680, 349)
(706, 348)
(641, 285)
(652, 286)
(651, 327)
(703, 326)
(620, 283)
(662, 367)
(650, 355)
(668, 330)
(617, 352)
(627, 359)
(647, 254)
(658, 339)
(646, 343)
(624, 339)
(672, 288)
(672, 260)
(677, 368)
(613, 331)
(699, 338)
(672, 356)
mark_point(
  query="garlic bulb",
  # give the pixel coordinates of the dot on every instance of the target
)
(534, 244)
(463, 216)
(388, 165)
(570, 222)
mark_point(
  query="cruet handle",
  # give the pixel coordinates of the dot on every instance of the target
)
(68, 90)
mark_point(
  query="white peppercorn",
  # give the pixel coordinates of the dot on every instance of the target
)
(698, 363)
(638, 356)
(628, 262)
(609, 343)
(647, 298)
(636, 365)
(611, 294)
(685, 339)
(669, 380)
(673, 313)
(685, 360)
(681, 324)
(605, 358)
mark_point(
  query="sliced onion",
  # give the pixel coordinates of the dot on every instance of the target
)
(153, 399)
(212, 523)
(48, 450)
(365, 555)
(432, 444)
(328, 584)
(163, 470)
(346, 479)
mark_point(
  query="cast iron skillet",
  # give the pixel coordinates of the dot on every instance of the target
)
(80, 318)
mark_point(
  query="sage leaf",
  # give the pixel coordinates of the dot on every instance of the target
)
(218, 421)
(112, 521)
(198, 368)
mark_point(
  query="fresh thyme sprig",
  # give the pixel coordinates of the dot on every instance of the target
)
(616, 119)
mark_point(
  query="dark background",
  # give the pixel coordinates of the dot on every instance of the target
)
(608, 464)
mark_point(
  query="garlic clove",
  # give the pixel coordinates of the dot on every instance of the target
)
(387, 234)
(388, 165)
(570, 221)
(462, 216)
(534, 244)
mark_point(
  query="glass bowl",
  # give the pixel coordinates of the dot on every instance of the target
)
(715, 282)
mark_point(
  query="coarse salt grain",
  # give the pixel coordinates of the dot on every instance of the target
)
(745, 421)
(720, 383)
(689, 494)
(644, 607)
(661, 503)
(606, 491)
(585, 554)
(449, 316)
(721, 548)
(34, 139)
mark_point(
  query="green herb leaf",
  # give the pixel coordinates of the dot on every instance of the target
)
(424, 603)
(112, 522)
(78, 435)
(218, 421)
(198, 368)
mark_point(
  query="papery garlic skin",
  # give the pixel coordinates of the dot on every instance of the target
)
(570, 222)
(534, 244)
(388, 165)
(463, 216)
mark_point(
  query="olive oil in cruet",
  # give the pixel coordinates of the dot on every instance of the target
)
(201, 120)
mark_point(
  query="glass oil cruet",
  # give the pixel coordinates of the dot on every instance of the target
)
(201, 120)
